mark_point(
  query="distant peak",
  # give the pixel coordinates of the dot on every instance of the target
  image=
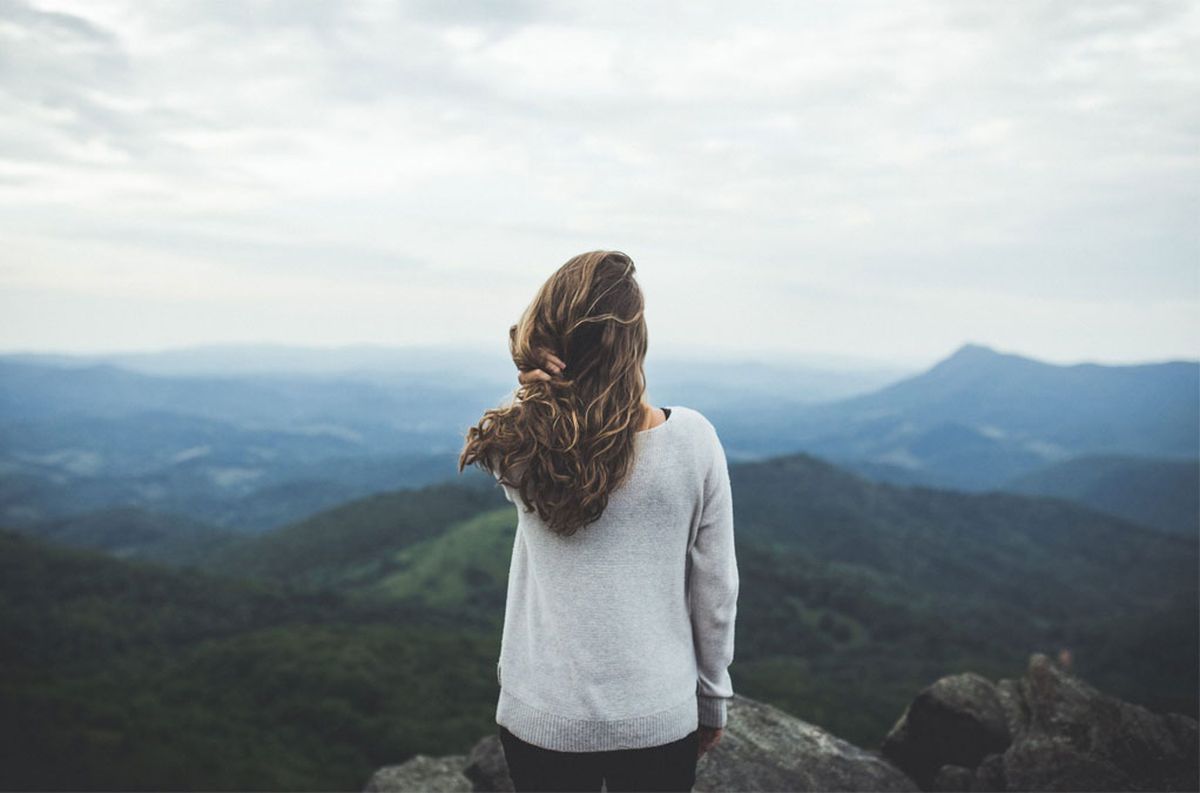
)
(972, 357)
(972, 350)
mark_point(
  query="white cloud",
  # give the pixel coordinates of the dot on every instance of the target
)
(1029, 153)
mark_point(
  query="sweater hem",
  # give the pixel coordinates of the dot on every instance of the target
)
(565, 734)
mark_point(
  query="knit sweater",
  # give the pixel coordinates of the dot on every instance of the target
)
(620, 636)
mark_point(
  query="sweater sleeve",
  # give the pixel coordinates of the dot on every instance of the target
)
(713, 591)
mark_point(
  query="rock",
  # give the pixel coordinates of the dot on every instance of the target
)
(989, 775)
(1046, 731)
(763, 748)
(486, 766)
(956, 721)
(438, 774)
(953, 777)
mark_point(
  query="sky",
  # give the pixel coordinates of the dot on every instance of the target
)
(877, 180)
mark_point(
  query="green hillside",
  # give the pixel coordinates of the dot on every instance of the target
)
(929, 581)
(1042, 555)
(352, 543)
(122, 675)
(464, 567)
(857, 593)
(134, 532)
(1157, 492)
(306, 657)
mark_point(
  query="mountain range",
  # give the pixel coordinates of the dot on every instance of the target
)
(288, 593)
(248, 451)
(367, 633)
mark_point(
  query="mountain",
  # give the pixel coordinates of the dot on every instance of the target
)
(250, 438)
(244, 453)
(129, 532)
(706, 379)
(250, 450)
(354, 361)
(361, 414)
(852, 574)
(988, 546)
(368, 632)
(974, 420)
(980, 418)
(848, 574)
(351, 544)
(211, 471)
(1161, 493)
(126, 675)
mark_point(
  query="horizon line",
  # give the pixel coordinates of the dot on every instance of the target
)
(668, 351)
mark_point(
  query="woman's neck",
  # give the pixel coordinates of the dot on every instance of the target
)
(652, 417)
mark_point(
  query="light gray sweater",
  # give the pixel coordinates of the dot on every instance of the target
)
(620, 636)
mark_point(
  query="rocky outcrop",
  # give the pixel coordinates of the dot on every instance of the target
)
(763, 748)
(442, 774)
(1045, 731)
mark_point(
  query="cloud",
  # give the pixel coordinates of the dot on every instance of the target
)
(1034, 151)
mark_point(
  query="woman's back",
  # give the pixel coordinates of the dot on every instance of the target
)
(619, 636)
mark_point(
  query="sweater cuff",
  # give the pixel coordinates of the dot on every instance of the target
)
(712, 711)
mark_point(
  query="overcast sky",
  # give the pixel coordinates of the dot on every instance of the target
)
(887, 180)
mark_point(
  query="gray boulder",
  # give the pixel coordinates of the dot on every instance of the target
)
(763, 748)
(1045, 731)
(1048, 730)
(441, 774)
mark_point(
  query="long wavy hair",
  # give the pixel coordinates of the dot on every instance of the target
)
(565, 443)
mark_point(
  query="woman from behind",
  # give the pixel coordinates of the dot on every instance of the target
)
(623, 583)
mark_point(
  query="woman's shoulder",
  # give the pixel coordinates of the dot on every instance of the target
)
(690, 415)
(695, 422)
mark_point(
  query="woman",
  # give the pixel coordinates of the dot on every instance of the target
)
(623, 584)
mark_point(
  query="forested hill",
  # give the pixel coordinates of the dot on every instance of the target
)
(369, 632)
(846, 573)
(123, 675)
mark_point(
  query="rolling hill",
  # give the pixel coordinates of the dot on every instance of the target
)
(328, 643)
(849, 573)
(250, 438)
(130, 532)
(124, 675)
(251, 452)
(1161, 493)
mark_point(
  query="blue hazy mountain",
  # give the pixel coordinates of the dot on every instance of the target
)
(980, 417)
(250, 438)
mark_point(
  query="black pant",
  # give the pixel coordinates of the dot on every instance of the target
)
(671, 766)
